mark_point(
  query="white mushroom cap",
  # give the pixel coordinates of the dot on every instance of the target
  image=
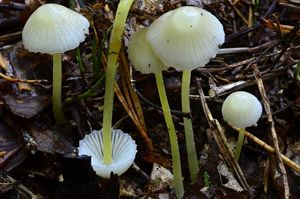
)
(141, 55)
(241, 109)
(186, 38)
(53, 28)
(123, 152)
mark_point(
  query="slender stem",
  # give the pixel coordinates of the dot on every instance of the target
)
(239, 143)
(79, 60)
(178, 185)
(112, 64)
(107, 115)
(56, 89)
(188, 127)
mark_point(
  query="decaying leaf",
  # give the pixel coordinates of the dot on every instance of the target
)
(161, 180)
(23, 99)
(12, 147)
(26, 107)
(231, 183)
(51, 141)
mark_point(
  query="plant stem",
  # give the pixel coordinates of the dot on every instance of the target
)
(178, 185)
(112, 64)
(92, 91)
(188, 127)
(239, 143)
(79, 60)
(56, 89)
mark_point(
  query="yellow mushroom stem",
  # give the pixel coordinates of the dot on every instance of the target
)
(56, 89)
(112, 65)
(188, 127)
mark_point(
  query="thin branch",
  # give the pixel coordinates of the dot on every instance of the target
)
(273, 133)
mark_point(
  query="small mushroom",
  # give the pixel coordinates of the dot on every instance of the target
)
(141, 55)
(54, 29)
(241, 109)
(123, 152)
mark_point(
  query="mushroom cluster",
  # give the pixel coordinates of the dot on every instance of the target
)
(55, 29)
(184, 38)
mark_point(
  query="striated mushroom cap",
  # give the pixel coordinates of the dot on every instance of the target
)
(53, 28)
(186, 38)
(241, 109)
(141, 55)
(123, 152)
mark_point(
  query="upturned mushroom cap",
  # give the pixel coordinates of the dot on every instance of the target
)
(141, 55)
(186, 38)
(53, 28)
(123, 152)
(241, 109)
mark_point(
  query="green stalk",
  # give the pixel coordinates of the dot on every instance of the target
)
(178, 185)
(239, 143)
(188, 127)
(112, 64)
(56, 89)
(79, 60)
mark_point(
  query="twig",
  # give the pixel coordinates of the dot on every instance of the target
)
(10, 36)
(15, 80)
(273, 134)
(224, 89)
(246, 49)
(238, 12)
(270, 149)
(23, 191)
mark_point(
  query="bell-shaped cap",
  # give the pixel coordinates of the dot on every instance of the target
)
(123, 152)
(241, 109)
(53, 28)
(141, 55)
(186, 38)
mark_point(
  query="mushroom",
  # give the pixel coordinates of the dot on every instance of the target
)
(141, 55)
(54, 29)
(241, 109)
(144, 60)
(123, 150)
(186, 38)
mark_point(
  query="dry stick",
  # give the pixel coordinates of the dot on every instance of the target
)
(270, 149)
(29, 81)
(224, 89)
(246, 49)
(238, 12)
(266, 104)
(221, 139)
(132, 108)
(132, 96)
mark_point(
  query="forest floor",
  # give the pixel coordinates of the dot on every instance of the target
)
(38, 157)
